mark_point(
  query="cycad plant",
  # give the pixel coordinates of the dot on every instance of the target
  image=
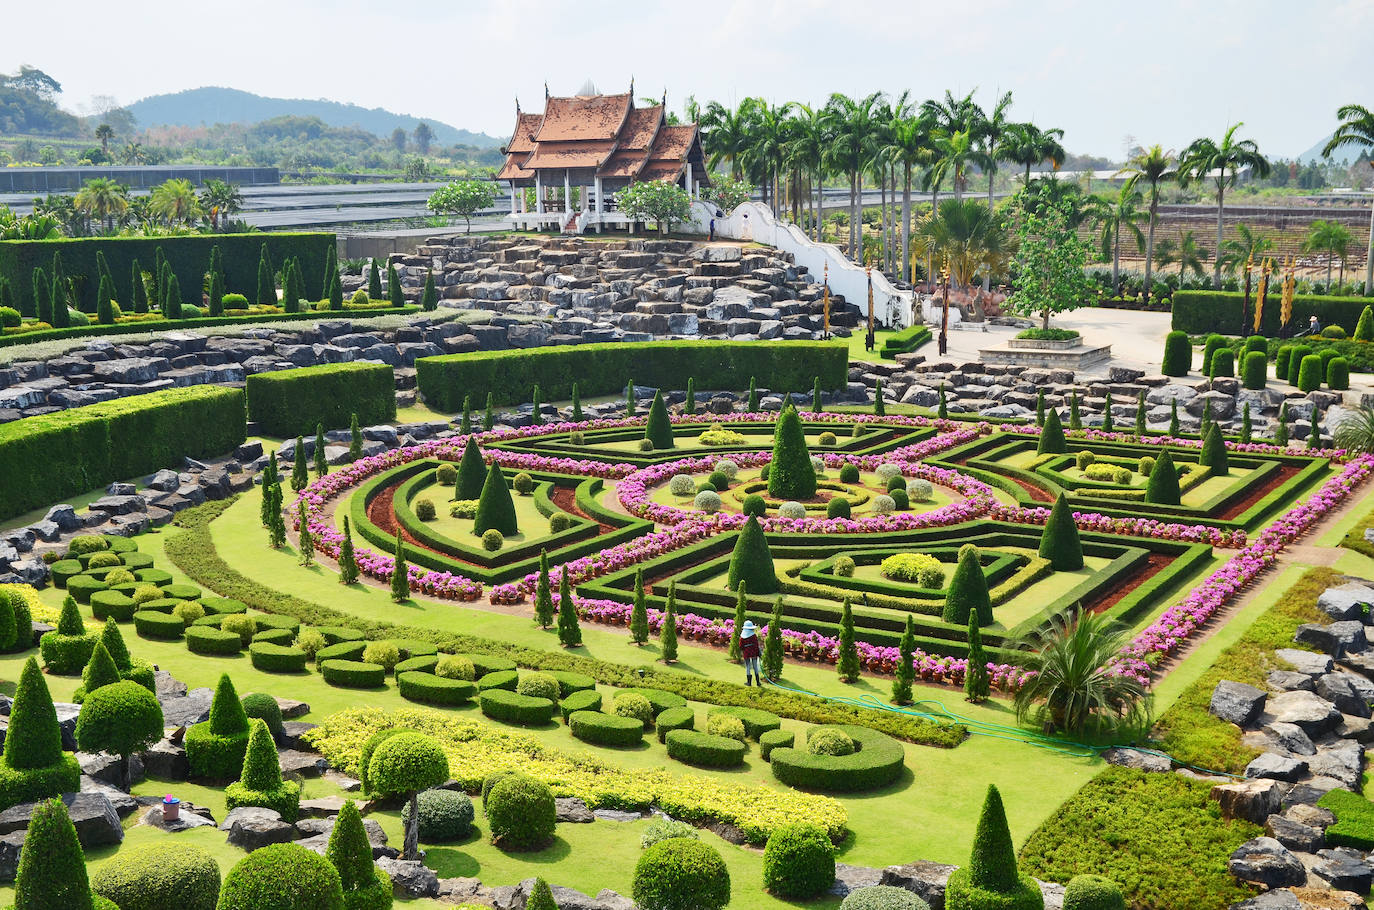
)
(1355, 432)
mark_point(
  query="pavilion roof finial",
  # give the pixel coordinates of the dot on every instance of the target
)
(546, 90)
(517, 105)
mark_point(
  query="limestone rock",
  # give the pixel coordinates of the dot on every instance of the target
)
(251, 827)
(1271, 766)
(1307, 710)
(1265, 861)
(924, 879)
(1254, 800)
(1347, 601)
(1236, 702)
(410, 877)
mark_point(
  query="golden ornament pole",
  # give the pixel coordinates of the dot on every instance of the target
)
(825, 304)
(1245, 301)
(944, 312)
(1265, 269)
(870, 340)
(1290, 282)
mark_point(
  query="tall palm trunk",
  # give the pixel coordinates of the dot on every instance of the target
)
(1216, 266)
(859, 217)
(1150, 241)
(1116, 260)
(853, 215)
(930, 248)
(958, 185)
(818, 205)
(906, 223)
(1330, 255)
(882, 219)
(1369, 255)
(987, 275)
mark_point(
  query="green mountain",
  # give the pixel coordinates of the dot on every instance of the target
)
(210, 105)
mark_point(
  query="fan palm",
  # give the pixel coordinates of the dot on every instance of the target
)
(1222, 162)
(1355, 431)
(972, 237)
(1331, 238)
(1186, 251)
(1357, 128)
(220, 200)
(1154, 166)
(1072, 684)
(1246, 246)
(104, 133)
(102, 198)
(175, 201)
(1122, 213)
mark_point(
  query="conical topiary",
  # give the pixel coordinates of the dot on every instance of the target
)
(52, 867)
(629, 398)
(1214, 452)
(1052, 435)
(33, 739)
(1075, 417)
(659, 428)
(541, 897)
(472, 472)
(667, 632)
(495, 508)
(1162, 487)
(576, 404)
(400, 572)
(1108, 425)
(689, 404)
(905, 674)
(1141, 426)
(752, 406)
(1247, 430)
(848, 663)
(977, 687)
(790, 474)
(543, 593)
(991, 878)
(226, 711)
(260, 783)
(639, 613)
(355, 437)
(741, 604)
(69, 620)
(300, 476)
(968, 591)
(1040, 407)
(348, 563)
(1364, 329)
(751, 563)
(100, 671)
(1173, 418)
(569, 629)
(1281, 426)
(537, 407)
(772, 643)
(879, 407)
(321, 457)
(489, 417)
(1059, 542)
(365, 887)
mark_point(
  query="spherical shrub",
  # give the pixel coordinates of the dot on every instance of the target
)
(883, 504)
(632, 704)
(719, 481)
(681, 874)
(754, 505)
(424, 509)
(829, 741)
(828, 439)
(818, 465)
(887, 471)
(798, 862)
(882, 897)
(404, 762)
(900, 501)
(455, 666)
(1333, 331)
(87, 543)
(446, 474)
(918, 490)
(265, 708)
(144, 593)
(10, 317)
(383, 653)
(245, 627)
(1083, 460)
(104, 560)
(896, 483)
(1146, 465)
(792, 509)
(665, 829)
(521, 813)
(493, 540)
(119, 577)
(727, 467)
(706, 486)
(538, 685)
(445, 815)
(725, 725)
(849, 473)
(1093, 892)
(707, 501)
(646, 445)
(311, 641)
(577, 437)
(844, 567)
(523, 483)
(560, 521)
(682, 485)
(158, 876)
(282, 877)
(837, 508)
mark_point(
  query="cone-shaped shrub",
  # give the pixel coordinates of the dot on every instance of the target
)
(400, 572)
(569, 629)
(1246, 428)
(1108, 423)
(1173, 418)
(848, 662)
(752, 561)
(543, 593)
(1040, 408)
(1141, 426)
(879, 408)
(942, 408)
(34, 765)
(215, 748)
(321, 459)
(52, 868)
(1178, 354)
(1310, 373)
(1075, 418)
(741, 604)
(472, 472)
(772, 643)
(537, 407)
(977, 686)
(495, 509)
(753, 403)
(1162, 487)
(1059, 542)
(639, 613)
(1338, 374)
(300, 476)
(967, 594)
(659, 429)
(1364, 329)
(100, 671)
(1254, 370)
(667, 632)
(348, 563)
(991, 878)
(689, 405)
(365, 887)
(1214, 452)
(113, 639)
(68, 649)
(429, 300)
(790, 474)
(1052, 435)
(260, 782)
(541, 897)
(905, 673)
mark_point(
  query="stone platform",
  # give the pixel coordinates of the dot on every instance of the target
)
(1078, 357)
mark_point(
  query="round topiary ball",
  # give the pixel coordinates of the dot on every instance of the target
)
(493, 540)
(882, 897)
(104, 560)
(837, 508)
(798, 862)
(682, 485)
(900, 502)
(918, 490)
(158, 876)
(145, 593)
(829, 741)
(681, 874)
(1093, 892)
(406, 761)
(523, 483)
(632, 704)
(849, 473)
(383, 653)
(707, 501)
(844, 567)
(883, 504)
(646, 445)
(560, 521)
(719, 481)
(188, 611)
(754, 505)
(446, 474)
(521, 813)
(455, 666)
(887, 471)
(896, 483)
(792, 509)
(445, 815)
(424, 509)
(576, 437)
(242, 625)
(265, 708)
(726, 725)
(537, 685)
(282, 877)
(828, 439)
(727, 467)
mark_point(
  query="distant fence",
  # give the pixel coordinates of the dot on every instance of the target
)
(44, 180)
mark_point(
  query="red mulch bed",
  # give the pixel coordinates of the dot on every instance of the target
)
(1156, 562)
(1286, 472)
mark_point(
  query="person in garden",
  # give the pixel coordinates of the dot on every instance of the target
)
(749, 650)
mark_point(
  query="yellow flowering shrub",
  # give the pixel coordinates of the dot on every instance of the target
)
(40, 611)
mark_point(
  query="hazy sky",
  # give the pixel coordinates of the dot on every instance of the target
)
(1165, 71)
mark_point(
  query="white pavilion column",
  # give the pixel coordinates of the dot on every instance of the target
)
(687, 177)
(567, 194)
(513, 191)
(539, 192)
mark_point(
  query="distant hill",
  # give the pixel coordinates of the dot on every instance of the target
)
(211, 105)
(1348, 152)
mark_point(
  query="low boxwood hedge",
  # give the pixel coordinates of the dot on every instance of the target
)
(135, 560)
(514, 708)
(498, 679)
(569, 682)
(274, 637)
(756, 722)
(159, 577)
(775, 739)
(660, 700)
(209, 640)
(158, 876)
(181, 591)
(582, 700)
(605, 729)
(106, 604)
(223, 606)
(335, 634)
(704, 749)
(344, 650)
(489, 663)
(670, 719)
(352, 674)
(424, 663)
(272, 657)
(877, 762)
(267, 621)
(64, 570)
(156, 624)
(425, 687)
(83, 586)
(161, 605)
(410, 647)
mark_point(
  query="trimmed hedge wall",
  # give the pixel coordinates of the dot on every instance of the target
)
(605, 729)
(434, 690)
(603, 369)
(683, 718)
(514, 708)
(877, 763)
(209, 640)
(1200, 312)
(188, 258)
(288, 403)
(352, 674)
(756, 722)
(775, 739)
(53, 456)
(276, 658)
(583, 700)
(704, 749)
(904, 342)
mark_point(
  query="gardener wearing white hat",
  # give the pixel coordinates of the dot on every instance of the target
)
(749, 650)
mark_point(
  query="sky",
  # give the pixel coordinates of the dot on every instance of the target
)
(1109, 74)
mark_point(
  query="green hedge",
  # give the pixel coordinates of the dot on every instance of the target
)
(105, 604)
(187, 256)
(660, 700)
(152, 624)
(775, 739)
(904, 342)
(603, 369)
(514, 708)
(877, 763)
(583, 700)
(498, 679)
(209, 640)
(1354, 825)
(271, 657)
(352, 674)
(756, 722)
(342, 650)
(434, 690)
(423, 663)
(682, 718)
(1200, 312)
(288, 403)
(51, 457)
(605, 729)
(704, 749)
(569, 682)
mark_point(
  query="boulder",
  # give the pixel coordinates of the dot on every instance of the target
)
(324, 807)
(851, 878)
(184, 821)
(1236, 702)
(1342, 691)
(1138, 759)
(1284, 680)
(10, 847)
(1271, 766)
(251, 827)
(410, 877)
(1335, 639)
(1305, 661)
(1264, 861)
(924, 879)
(1294, 835)
(109, 769)
(166, 760)
(1347, 601)
(1282, 899)
(1343, 762)
(1307, 710)
(572, 809)
(1291, 738)
(304, 764)
(188, 709)
(1344, 871)
(65, 517)
(123, 803)
(97, 822)
(1254, 800)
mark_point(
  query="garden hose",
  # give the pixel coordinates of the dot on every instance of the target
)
(935, 711)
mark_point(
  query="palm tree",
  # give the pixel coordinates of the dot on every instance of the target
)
(957, 152)
(1072, 683)
(1222, 162)
(1122, 213)
(910, 148)
(1331, 238)
(104, 133)
(1246, 246)
(1028, 145)
(725, 135)
(1357, 128)
(1355, 431)
(993, 132)
(175, 201)
(852, 125)
(102, 198)
(973, 238)
(133, 153)
(805, 152)
(1186, 252)
(220, 200)
(1154, 166)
